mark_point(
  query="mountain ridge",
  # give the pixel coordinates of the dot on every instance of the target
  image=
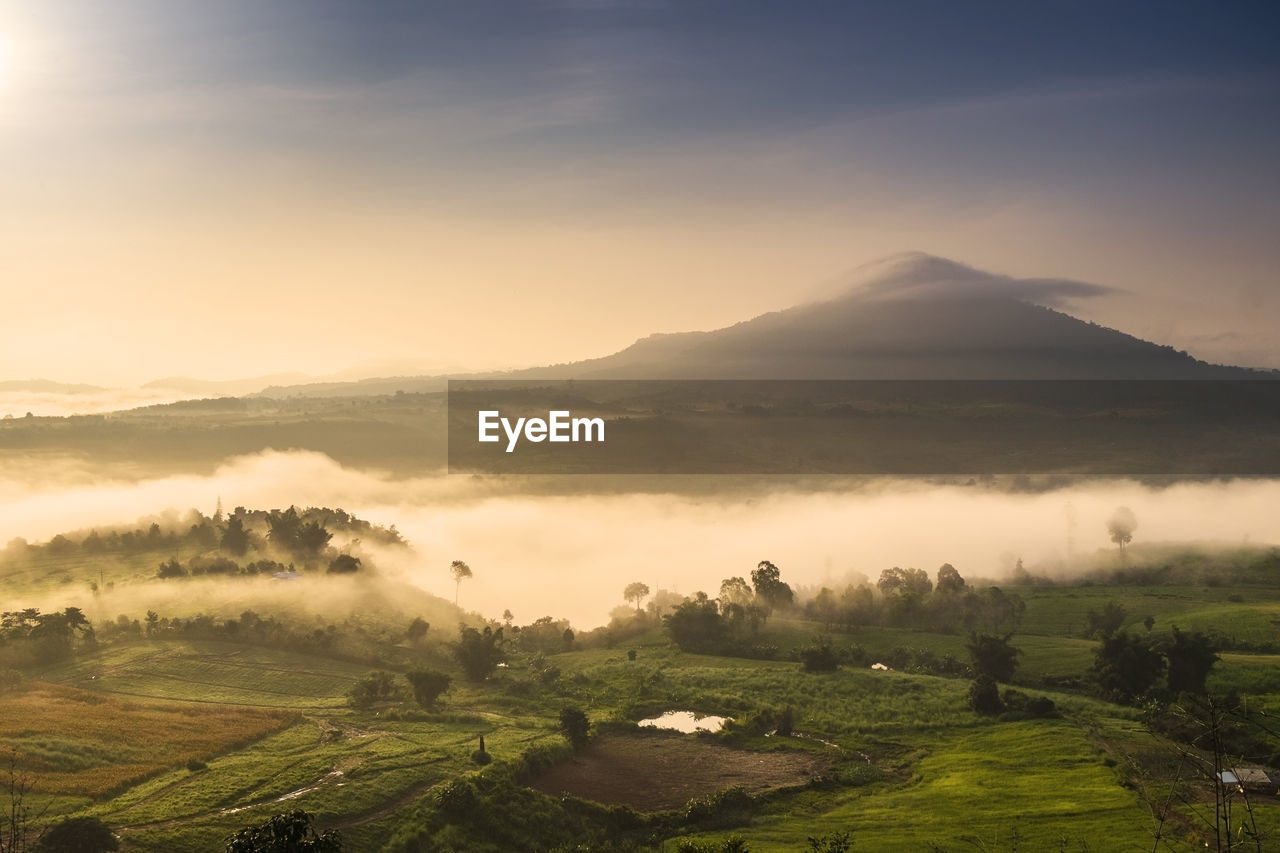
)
(911, 316)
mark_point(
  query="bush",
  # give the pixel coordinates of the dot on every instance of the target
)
(481, 757)
(373, 688)
(289, 832)
(820, 656)
(78, 835)
(836, 842)
(344, 564)
(1019, 704)
(574, 725)
(784, 721)
(730, 807)
(427, 685)
(458, 798)
(195, 765)
(984, 696)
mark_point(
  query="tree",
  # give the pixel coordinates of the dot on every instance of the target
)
(636, 592)
(344, 564)
(460, 571)
(427, 685)
(825, 607)
(1001, 609)
(282, 529)
(993, 656)
(78, 835)
(1107, 622)
(949, 580)
(288, 832)
(1121, 526)
(478, 652)
(696, 625)
(171, 569)
(913, 583)
(574, 725)
(235, 539)
(1191, 657)
(417, 629)
(1126, 667)
(769, 586)
(312, 538)
(734, 591)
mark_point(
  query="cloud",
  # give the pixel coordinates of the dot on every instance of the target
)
(916, 275)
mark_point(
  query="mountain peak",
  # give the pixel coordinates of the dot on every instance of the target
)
(919, 275)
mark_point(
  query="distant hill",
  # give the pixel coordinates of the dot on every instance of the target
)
(225, 387)
(46, 386)
(912, 316)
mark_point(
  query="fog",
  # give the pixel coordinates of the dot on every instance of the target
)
(570, 556)
(17, 404)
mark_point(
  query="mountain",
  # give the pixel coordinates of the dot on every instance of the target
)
(915, 317)
(911, 316)
(224, 387)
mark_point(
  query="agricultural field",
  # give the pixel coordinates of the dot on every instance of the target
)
(178, 726)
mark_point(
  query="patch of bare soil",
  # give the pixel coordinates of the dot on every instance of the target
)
(656, 773)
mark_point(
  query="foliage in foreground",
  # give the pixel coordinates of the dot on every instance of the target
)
(288, 832)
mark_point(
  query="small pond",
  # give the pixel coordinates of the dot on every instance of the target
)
(685, 721)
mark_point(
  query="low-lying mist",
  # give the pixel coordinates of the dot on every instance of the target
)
(17, 404)
(571, 556)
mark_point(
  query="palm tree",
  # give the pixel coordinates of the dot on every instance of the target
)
(461, 571)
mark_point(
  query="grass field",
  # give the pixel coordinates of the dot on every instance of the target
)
(1043, 780)
(81, 743)
(110, 731)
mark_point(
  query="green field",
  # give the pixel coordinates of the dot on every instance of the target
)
(178, 732)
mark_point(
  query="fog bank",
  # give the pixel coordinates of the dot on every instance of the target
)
(570, 556)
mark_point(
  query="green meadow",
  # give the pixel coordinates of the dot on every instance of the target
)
(230, 702)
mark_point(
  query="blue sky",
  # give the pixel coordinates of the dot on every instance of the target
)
(507, 183)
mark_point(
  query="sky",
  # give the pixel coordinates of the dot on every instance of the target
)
(240, 188)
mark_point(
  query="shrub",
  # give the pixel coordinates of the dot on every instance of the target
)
(289, 832)
(820, 656)
(427, 685)
(574, 725)
(78, 835)
(344, 564)
(836, 842)
(784, 721)
(730, 807)
(984, 696)
(375, 687)
(458, 798)
(195, 765)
